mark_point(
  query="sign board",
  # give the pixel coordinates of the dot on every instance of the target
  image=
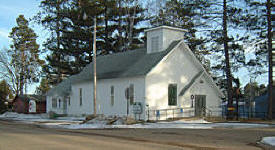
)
(157, 113)
(137, 108)
(230, 108)
(32, 106)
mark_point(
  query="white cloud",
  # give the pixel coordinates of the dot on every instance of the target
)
(4, 34)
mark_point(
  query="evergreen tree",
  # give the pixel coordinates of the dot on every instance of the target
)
(51, 17)
(256, 24)
(71, 24)
(24, 54)
(43, 87)
(5, 90)
(5, 94)
(260, 23)
(186, 14)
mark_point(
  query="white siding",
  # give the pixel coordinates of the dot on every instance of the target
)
(151, 35)
(179, 68)
(104, 96)
(213, 102)
(87, 99)
(58, 110)
(162, 36)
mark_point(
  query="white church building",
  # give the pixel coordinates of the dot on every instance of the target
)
(162, 80)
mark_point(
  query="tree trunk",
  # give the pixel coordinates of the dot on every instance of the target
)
(269, 39)
(132, 20)
(106, 28)
(58, 40)
(119, 26)
(21, 84)
(227, 67)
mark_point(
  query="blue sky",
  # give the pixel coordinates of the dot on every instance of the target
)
(9, 11)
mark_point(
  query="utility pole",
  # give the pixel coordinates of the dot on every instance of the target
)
(94, 61)
(269, 39)
(94, 56)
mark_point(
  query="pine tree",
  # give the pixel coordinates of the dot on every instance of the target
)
(260, 24)
(5, 90)
(71, 24)
(51, 17)
(186, 14)
(256, 24)
(43, 87)
(130, 16)
(5, 94)
(24, 54)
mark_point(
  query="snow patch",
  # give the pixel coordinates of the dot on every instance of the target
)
(269, 140)
(191, 121)
(17, 116)
(40, 118)
(163, 125)
(113, 122)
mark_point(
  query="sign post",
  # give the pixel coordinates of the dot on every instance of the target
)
(127, 99)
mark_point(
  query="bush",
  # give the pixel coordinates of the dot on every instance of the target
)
(90, 117)
(3, 107)
(52, 115)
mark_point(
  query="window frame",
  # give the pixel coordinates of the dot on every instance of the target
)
(80, 97)
(155, 43)
(132, 94)
(172, 88)
(54, 102)
(112, 96)
(59, 103)
(69, 101)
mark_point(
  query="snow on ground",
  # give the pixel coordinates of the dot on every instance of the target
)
(16, 116)
(191, 121)
(40, 118)
(101, 123)
(269, 140)
(173, 124)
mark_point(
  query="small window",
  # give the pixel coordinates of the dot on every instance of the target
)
(172, 94)
(112, 95)
(54, 103)
(59, 103)
(155, 44)
(131, 94)
(80, 96)
(69, 100)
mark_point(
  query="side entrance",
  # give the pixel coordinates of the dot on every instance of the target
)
(200, 105)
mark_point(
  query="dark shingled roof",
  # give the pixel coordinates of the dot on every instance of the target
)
(125, 64)
(27, 97)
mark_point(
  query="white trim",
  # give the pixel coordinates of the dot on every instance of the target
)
(165, 27)
(204, 71)
(195, 60)
(164, 58)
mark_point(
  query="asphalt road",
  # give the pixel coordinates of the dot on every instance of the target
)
(18, 136)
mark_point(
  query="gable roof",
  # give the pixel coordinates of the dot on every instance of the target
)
(125, 64)
(197, 62)
(192, 81)
(27, 97)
